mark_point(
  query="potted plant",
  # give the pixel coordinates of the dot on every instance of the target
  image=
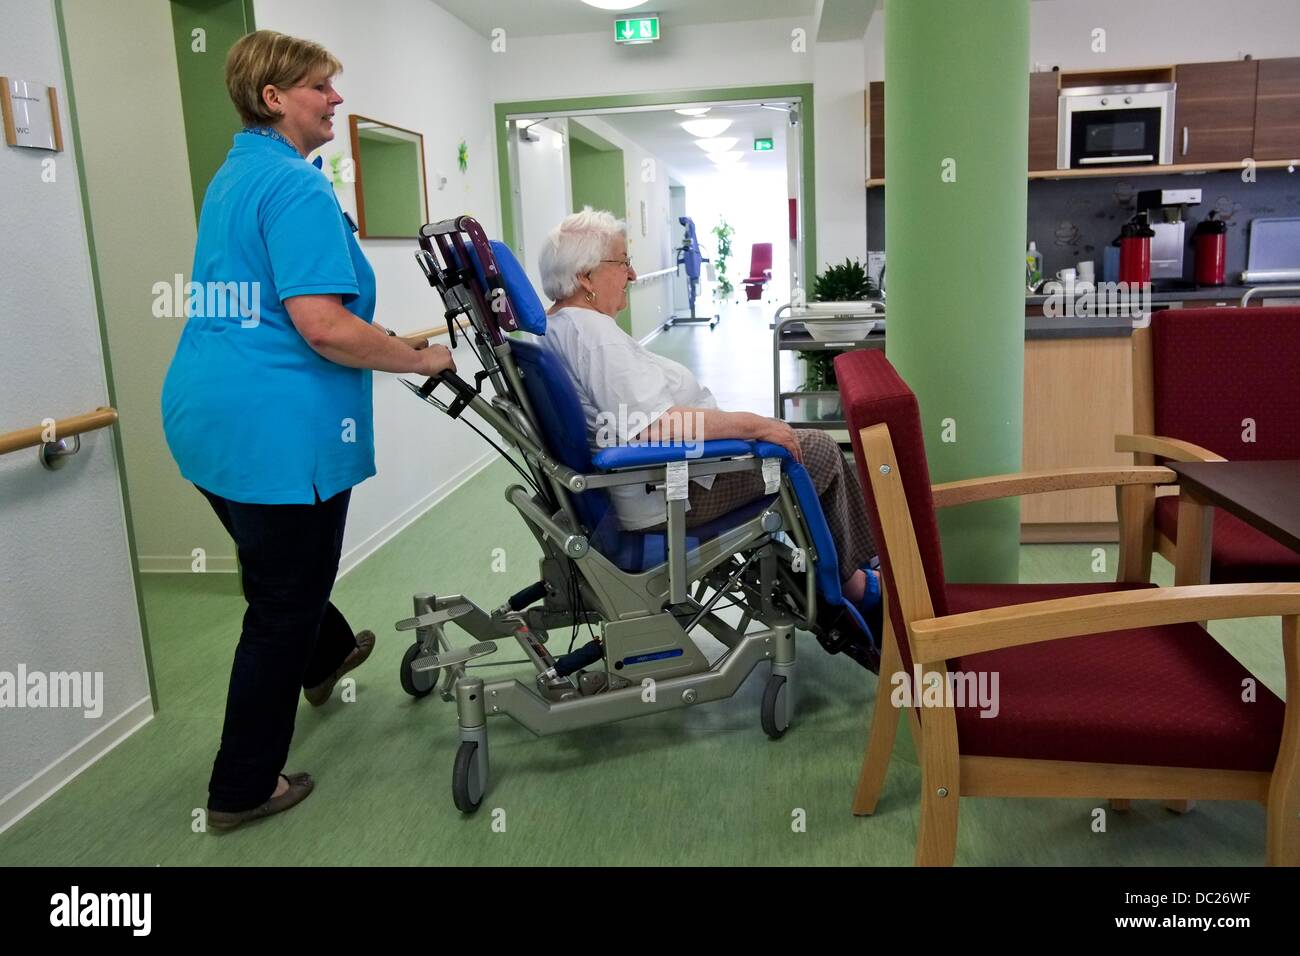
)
(844, 283)
(848, 282)
(722, 232)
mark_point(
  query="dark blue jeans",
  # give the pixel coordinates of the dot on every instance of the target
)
(292, 638)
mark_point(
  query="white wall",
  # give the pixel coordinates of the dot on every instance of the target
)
(703, 55)
(545, 189)
(1146, 33)
(67, 596)
(411, 64)
(840, 154)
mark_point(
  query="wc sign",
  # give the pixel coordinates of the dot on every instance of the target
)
(636, 29)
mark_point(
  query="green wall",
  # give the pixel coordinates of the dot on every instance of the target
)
(597, 181)
(390, 186)
(210, 119)
(955, 220)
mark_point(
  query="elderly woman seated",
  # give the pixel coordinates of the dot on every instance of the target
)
(630, 394)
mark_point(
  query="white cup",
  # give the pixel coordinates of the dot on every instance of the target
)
(1067, 276)
(1087, 271)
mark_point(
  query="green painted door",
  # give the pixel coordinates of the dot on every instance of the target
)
(597, 181)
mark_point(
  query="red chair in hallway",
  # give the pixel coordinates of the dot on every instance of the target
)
(760, 270)
(1104, 690)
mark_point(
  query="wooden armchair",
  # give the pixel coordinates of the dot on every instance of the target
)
(1204, 381)
(1105, 690)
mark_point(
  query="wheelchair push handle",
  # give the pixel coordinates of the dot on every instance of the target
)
(449, 378)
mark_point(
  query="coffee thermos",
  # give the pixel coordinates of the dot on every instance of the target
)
(1135, 250)
(1211, 241)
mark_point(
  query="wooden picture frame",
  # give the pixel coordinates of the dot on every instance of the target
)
(354, 130)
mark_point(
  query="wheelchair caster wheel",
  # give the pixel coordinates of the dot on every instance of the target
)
(465, 790)
(417, 685)
(775, 723)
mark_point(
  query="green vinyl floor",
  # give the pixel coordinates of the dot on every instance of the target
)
(703, 786)
(699, 786)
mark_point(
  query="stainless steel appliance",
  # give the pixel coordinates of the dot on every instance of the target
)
(1115, 125)
(1167, 211)
(1274, 251)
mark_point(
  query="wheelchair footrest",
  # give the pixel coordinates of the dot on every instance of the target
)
(434, 617)
(457, 655)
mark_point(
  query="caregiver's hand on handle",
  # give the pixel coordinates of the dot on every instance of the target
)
(434, 360)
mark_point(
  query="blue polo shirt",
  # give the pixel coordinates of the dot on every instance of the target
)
(250, 411)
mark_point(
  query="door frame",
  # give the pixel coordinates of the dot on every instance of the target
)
(533, 109)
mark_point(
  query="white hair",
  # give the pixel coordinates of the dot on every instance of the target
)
(575, 247)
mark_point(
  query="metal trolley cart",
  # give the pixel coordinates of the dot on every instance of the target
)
(817, 409)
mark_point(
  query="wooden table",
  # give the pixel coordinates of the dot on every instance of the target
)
(1264, 494)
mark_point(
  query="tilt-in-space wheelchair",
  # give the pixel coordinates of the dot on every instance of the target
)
(638, 594)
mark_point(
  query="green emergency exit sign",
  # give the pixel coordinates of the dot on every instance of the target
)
(763, 145)
(636, 30)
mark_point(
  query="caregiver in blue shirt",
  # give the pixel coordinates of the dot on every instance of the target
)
(267, 406)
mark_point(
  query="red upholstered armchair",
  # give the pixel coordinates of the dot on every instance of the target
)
(760, 270)
(1103, 690)
(1214, 384)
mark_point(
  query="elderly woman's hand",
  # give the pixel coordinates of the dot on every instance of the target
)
(779, 433)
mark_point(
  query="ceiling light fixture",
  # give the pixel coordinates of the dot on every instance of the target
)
(717, 145)
(706, 128)
(727, 159)
(694, 110)
(614, 4)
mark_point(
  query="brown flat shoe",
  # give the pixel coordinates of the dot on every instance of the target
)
(300, 786)
(321, 692)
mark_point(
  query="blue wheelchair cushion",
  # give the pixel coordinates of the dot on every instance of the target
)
(634, 456)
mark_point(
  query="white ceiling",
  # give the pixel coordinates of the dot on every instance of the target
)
(525, 18)
(660, 133)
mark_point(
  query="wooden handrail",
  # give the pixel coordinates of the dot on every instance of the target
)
(63, 428)
(410, 338)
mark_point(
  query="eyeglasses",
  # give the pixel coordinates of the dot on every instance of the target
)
(625, 263)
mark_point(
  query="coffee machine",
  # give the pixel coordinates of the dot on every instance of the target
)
(1166, 211)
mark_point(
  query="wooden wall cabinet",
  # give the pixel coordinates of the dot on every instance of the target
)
(1277, 110)
(1044, 93)
(1214, 111)
(876, 124)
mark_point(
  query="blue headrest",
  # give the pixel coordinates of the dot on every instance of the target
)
(529, 314)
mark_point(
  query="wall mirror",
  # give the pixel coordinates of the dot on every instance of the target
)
(392, 200)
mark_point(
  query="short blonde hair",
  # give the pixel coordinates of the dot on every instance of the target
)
(575, 247)
(265, 57)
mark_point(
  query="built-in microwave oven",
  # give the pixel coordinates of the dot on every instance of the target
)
(1115, 125)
